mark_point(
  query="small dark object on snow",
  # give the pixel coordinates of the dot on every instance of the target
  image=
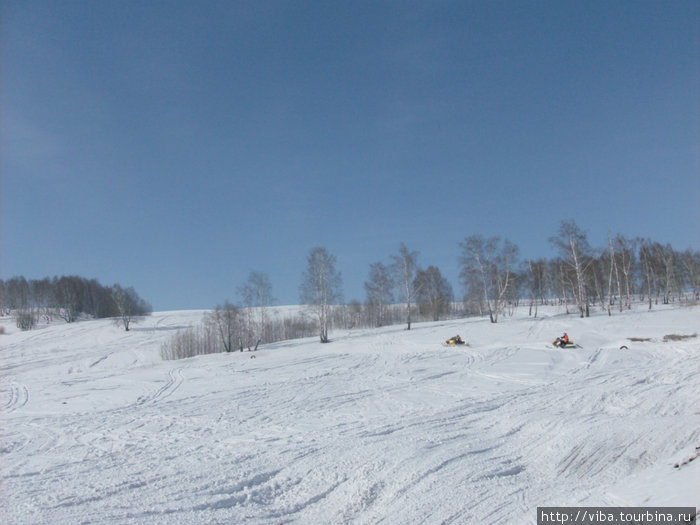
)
(689, 460)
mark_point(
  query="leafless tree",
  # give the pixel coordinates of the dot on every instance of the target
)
(18, 294)
(596, 276)
(379, 288)
(625, 254)
(536, 282)
(130, 306)
(646, 258)
(351, 315)
(67, 293)
(573, 245)
(666, 262)
(18, 299)
(226, 322)
(42, 297)
(690, 264)
(321, 288)
(404, 267)
(256, 294)
(434, 294)
(659, 266)
(4, 308)
(490, 263)
(613, 272)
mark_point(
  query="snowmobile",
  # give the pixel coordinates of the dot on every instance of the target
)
(455, 341)
(560, 343)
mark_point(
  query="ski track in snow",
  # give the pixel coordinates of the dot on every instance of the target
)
(381, 426)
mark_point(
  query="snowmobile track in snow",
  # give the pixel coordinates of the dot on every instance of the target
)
(172, 383)
(18, 397)
(381, 426)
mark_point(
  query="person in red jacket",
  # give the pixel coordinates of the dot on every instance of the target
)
(562, 341)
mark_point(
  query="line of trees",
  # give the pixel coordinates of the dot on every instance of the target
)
(227, 329)
(230, 327)
(69, 298)
(611, 277)
(494, 281)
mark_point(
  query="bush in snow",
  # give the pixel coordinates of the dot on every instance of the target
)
(25, 320)
(190, 342)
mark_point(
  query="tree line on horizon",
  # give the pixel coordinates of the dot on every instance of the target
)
(69, 298)
(493, 278)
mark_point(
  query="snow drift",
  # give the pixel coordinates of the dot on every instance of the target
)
(381, 426)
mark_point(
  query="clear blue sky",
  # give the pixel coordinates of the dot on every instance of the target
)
(176, 146)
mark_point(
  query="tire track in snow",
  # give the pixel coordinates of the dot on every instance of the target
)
(501, 354)
(19, 397)
(172, 383)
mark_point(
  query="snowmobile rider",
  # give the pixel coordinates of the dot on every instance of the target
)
(564, 340)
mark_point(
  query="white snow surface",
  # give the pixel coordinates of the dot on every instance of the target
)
(380, 426)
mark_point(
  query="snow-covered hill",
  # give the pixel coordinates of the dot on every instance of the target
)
(381, 426)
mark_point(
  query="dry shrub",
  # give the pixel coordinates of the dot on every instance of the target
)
(25, 321)
(677, 337)
(190, 342)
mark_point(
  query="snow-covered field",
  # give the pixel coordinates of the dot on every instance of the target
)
(381, 426)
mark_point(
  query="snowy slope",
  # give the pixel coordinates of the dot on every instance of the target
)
(381, 426)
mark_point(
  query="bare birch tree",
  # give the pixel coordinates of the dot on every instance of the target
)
(434, 293)
(573, 245)
(625, 251)
(690, 263)
(67, 298)
(491, 264)
(666, 262)
(536, 282)
(646, 257)
(379, 289)
(613, 271)
(404, 267)
(321, 288)
(225, 321)
(257, 297)
(130, 306)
